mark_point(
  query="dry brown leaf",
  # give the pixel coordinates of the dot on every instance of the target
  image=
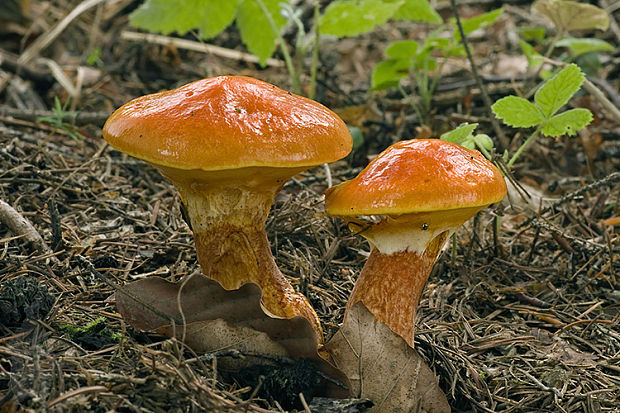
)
(209, 318)
(383, 368)
(567, 15)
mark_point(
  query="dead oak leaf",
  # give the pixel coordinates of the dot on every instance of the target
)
(209, 318)
(382, 367)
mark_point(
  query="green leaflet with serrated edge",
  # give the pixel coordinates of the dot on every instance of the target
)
(567, 123)
(517, 112)
(558, 90)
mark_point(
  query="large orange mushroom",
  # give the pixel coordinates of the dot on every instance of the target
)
(229, 144)
(422, 190)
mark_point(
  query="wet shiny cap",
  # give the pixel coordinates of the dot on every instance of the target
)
(419, 175)
(228, 122)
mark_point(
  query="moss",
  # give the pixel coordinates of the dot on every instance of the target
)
(92, 336)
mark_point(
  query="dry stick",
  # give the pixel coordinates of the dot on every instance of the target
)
(609, 180)
(21, 226)
(198, 47)
(483, 91)
(48, 37)
(77, 118)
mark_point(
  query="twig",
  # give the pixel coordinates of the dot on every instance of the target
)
(21, 226)
(197, 47)
(483, 91)
(9, 63)
(48, 37)
(613, 24)
(609, 180)
(52, 208)
(77, 118)
(304, 403)
(76, 392)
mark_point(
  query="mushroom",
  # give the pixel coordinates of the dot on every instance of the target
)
(229, 144)
(422, 190)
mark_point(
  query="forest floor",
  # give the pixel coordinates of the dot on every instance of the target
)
(524, 318)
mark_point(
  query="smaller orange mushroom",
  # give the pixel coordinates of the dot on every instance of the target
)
(229, 144)
(423, 190)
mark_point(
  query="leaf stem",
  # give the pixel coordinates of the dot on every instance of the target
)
(315, 53)
(415, 107)
(483, 91)
(523, 146)
(285, 53)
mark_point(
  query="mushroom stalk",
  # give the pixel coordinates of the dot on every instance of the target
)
(403, 252)
(228, 215)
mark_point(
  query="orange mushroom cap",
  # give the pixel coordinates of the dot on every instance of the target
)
(228, 122)
(419, 175)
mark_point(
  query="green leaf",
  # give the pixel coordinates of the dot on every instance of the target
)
(536, 34)
(569, 15)
(517, 112)
(357, 135)
(256, 31)
(404, 49)
(578, 47)
(558, 90)
(417, 10)
(460, 134)
(387, 73)
(483, 141)
(352, 17)
(168, 16)
(567, 123)
(481, 21)
(533, 57)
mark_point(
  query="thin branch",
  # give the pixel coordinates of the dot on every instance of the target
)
(198, 47)
(21, 226)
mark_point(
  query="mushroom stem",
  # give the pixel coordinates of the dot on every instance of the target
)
(390, 286)
(228, 222)
(403, 252)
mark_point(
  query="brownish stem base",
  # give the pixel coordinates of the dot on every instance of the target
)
(390, 286)
(236, 256)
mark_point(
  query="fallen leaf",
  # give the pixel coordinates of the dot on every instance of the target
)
(209, 318)
(569, 15)
(382, 367)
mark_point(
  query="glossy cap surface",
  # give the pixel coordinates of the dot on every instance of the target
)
(228, 122)
(419, 175)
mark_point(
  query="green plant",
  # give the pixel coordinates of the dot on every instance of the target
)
(543, 115)
(58, 119)
(565, 16)
(464, 136)
(418, 62)
(261, 22)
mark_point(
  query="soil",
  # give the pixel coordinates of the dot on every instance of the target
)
(521, 312)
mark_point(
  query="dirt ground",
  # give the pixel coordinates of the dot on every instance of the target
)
(517, 317)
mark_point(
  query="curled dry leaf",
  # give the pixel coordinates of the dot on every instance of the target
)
(382, 367)
(209, 318)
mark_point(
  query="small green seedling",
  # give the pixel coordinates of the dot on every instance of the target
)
(418, 61)
(543, 113)
(464, 136)
(58, 119)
